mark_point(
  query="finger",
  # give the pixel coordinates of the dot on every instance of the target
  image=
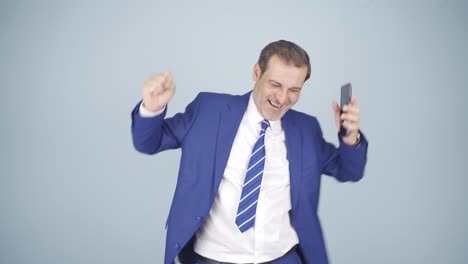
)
(155, 80)
(349, 106)
(165, 76)
(336, 107)
(353, 104)
(173, 87)
(350, 117)
(147, 86)
(165, 73)
(168, 82)
(152, 89)
(151, 82)
(336, 111)
(351, 109)
(351, 120)
(154, 77)
(350, 127)
(353, 101)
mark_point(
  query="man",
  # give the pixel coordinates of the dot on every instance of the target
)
(249, 177)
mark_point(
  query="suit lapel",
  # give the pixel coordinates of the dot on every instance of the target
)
(294, 154)
(229, 122)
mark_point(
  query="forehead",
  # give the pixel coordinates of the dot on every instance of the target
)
(285, 73)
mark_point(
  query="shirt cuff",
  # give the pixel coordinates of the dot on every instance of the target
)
(146, 113)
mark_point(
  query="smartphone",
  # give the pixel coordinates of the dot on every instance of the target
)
(346, 92)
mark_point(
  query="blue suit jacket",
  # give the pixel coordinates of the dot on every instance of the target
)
(205, 133)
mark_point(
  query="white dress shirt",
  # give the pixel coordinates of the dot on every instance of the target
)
(272, 235)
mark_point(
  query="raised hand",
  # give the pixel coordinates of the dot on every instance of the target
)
(349, 118)
(157, 91)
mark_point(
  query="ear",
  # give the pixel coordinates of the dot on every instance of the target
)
(256, 72)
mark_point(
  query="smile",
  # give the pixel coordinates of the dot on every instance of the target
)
(274, 105)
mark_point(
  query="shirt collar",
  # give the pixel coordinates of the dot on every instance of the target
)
(254, 117)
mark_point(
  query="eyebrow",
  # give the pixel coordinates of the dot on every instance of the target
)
(275, 82)
(278, 83)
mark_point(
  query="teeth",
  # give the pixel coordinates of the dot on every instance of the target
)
(277, 106)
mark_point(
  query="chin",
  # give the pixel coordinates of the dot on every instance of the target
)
(272, 117)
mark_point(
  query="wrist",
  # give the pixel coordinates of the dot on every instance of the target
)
(353, 139)
(150, 109)
(358, 139)
(145, 112)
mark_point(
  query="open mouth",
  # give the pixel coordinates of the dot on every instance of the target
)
(277, 107)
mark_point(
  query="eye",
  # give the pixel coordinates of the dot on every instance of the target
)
(295, 90)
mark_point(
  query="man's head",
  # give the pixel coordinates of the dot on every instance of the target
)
(279, 75)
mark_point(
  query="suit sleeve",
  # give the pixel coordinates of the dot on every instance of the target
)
(156, 134)
(345, 163)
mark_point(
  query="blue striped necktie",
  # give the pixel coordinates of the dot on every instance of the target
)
(245, 218)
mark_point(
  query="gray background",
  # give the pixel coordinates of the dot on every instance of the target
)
(73, 189)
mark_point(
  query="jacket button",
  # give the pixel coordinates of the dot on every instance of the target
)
(177, 246)
(198, 219)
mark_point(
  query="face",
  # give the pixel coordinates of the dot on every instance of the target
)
(278, 88)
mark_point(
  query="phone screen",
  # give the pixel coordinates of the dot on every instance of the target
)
(346, 90)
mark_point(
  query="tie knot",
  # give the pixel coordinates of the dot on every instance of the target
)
(265, 124)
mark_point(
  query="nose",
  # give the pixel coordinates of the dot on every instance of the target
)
(282, 96)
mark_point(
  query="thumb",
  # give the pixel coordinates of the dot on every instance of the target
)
(337, 112)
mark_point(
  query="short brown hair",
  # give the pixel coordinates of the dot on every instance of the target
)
(288, 52)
